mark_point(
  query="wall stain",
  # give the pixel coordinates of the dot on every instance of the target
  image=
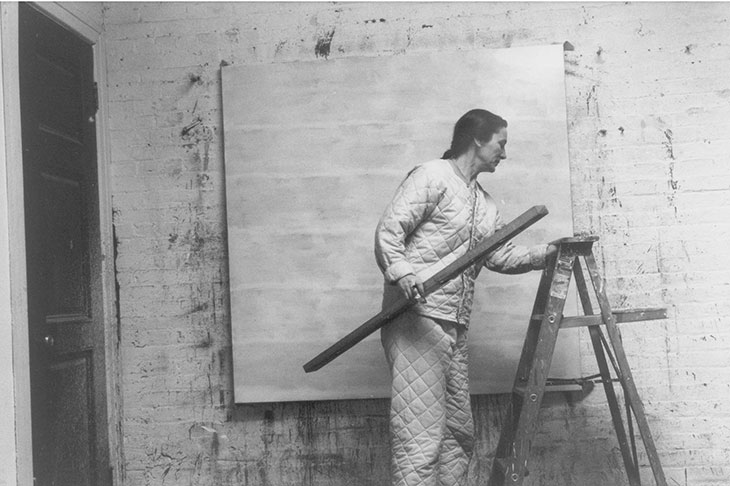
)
(585, 16)
(409, 39)
(599, 52)
(199, 308)
(195, 79)
(188, 128)
(612, 193)
(507, 39)
(233, 35)
(673, 183)
(117, 286)
(668, 144)
(322, 48)
(592, 99)
(198, 135)
(279, 46)
(674, 188)
(207, 342)
(195, 238)
(267, 438)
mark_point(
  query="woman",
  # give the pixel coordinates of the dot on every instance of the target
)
(438, 213)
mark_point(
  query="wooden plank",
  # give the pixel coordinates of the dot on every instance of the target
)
(580, 321)
(500, 237)
(620, 316)
(637, 315)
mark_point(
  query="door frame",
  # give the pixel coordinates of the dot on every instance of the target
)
(15, 417)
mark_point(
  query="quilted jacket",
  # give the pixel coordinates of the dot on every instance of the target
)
(434, 218)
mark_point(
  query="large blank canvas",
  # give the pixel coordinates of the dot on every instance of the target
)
(313, 153)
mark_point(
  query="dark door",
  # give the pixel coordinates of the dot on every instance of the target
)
(66, 327)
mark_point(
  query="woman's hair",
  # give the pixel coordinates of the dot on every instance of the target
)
(475, 124)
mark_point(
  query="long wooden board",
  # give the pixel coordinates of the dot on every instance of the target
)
(500, 237)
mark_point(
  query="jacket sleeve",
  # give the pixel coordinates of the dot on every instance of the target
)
(513, 259)
(413, 202)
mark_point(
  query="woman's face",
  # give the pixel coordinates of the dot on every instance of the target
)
(491, 153)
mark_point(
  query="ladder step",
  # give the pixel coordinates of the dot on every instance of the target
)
(581, 321)
(626, 315)
(540, 317)
(636, 315)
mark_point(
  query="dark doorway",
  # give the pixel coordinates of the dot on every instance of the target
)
(65, 299)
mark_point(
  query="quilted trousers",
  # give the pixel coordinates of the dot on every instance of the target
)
(431, 426)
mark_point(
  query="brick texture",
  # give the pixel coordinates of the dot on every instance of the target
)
(648, 117)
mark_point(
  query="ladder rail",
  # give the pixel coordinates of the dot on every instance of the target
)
(504, 447)
(506, 438)
(632, 466)
(626, 377)
(521, 424)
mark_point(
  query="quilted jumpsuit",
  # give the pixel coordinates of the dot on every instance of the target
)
(434, 218)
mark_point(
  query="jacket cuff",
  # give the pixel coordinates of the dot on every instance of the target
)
(397, 270)
(537, 256)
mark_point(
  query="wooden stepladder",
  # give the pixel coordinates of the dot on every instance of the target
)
(510, 463)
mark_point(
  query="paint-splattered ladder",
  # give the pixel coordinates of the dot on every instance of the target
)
(510, 464)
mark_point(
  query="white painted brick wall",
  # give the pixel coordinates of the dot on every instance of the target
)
(649, 124)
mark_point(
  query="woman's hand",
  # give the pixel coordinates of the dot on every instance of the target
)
(412, 288)
(552, 250)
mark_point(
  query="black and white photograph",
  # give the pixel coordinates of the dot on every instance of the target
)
(364, 243)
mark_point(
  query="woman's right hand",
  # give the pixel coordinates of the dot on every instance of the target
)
(412, 288)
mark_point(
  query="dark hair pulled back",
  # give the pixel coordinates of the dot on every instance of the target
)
(476, 124)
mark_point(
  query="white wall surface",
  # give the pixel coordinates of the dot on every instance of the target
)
(648, 116)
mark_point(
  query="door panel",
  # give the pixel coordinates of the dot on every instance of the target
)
(67, 270)
(66, 328)
(71, 427)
